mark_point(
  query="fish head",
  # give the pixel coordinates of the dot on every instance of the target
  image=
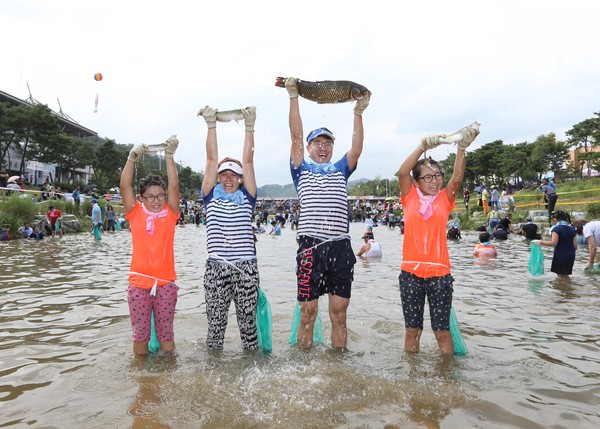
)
(359, 91)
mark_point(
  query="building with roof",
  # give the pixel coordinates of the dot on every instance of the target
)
(37, 172)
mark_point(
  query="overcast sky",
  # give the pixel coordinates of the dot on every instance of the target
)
(520, 68)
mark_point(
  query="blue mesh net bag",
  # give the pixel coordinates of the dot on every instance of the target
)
(317, 329)
(460, 348)
(263, 322)
(536, 260)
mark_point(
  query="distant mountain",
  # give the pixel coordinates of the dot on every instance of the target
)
(288, 191)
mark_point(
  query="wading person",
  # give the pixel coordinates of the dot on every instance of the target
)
(425, 271)
(325, 260)
(564, 241)
(152, 217)
(229, 193)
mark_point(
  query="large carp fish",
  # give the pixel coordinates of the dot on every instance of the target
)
(328, 91)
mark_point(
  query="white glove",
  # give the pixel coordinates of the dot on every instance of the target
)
(536, 242)
(210, 116)
(249, 118)
(589, 267)
(172, 144)
(361, 105)
(137, 151)
(430, 142)
(469, 133)
(291, 84)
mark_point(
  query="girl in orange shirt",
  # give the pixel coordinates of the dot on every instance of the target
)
(425, 270)
(152, 219)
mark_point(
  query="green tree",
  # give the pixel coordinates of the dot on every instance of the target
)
(108, 164)
(584, 135)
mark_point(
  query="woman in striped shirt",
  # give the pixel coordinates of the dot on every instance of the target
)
(229, 193)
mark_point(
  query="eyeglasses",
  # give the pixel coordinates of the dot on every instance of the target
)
(151, 198)
(320, 145)
(429, 177)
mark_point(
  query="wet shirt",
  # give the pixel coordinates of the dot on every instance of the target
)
(425, 250)
(375, 250)
(152, 255)
(323, 198)
(53, 215)
(592, 229)
(485, 251)
(229, 234)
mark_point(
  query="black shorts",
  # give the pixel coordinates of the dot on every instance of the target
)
(324, 267)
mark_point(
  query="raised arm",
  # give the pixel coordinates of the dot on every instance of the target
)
(358, 134)
(172, 176)
(126, 188)
(295, 121)
(463, 138)
(248, 152)
(404, 179)
(212, 152)
(458, 173)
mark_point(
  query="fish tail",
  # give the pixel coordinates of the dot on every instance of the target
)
(280, 82)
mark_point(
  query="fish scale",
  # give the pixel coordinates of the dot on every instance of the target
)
(328, 91)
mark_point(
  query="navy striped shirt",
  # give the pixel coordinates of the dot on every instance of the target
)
(229, 234)
(323, 198)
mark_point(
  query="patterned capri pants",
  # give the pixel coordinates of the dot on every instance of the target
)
(437, 290)
(224, 282)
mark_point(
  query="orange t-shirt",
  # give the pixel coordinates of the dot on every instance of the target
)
(485, 250)
(152, 255)
(425, 251)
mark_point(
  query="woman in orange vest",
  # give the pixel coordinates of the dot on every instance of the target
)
(425, 270)
(152, 218)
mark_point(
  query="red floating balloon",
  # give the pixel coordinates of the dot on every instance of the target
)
(98, 76)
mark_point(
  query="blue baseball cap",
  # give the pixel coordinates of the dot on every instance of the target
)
(319, 132)
(93, 201)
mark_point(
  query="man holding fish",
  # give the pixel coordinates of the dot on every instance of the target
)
(325, 260)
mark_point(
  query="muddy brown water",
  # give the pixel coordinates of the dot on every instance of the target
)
(66, 360)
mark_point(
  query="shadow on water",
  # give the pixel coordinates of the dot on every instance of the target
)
(66, 361)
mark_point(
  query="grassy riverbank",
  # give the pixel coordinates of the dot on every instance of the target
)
(573, 196)
(581, 196)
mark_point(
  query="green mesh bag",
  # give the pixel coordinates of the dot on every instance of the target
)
(263, 322)
(118, 226)
(97, 233)
(536, 260)
(153, 344)
(317, 329)
(460, 348)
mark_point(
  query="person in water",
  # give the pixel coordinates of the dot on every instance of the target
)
(371, 249)
(152, 217)
(229, 194)
(564, 241)
(425, 270)
(485, 248)
(325, 260)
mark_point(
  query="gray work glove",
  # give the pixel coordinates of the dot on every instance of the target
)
(137, 151)
(210, 116)
(361, 105)
(172, 144)
(249, 118)
(431, 142)
(291, 84)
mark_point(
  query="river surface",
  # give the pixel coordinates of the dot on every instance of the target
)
(66, 359)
